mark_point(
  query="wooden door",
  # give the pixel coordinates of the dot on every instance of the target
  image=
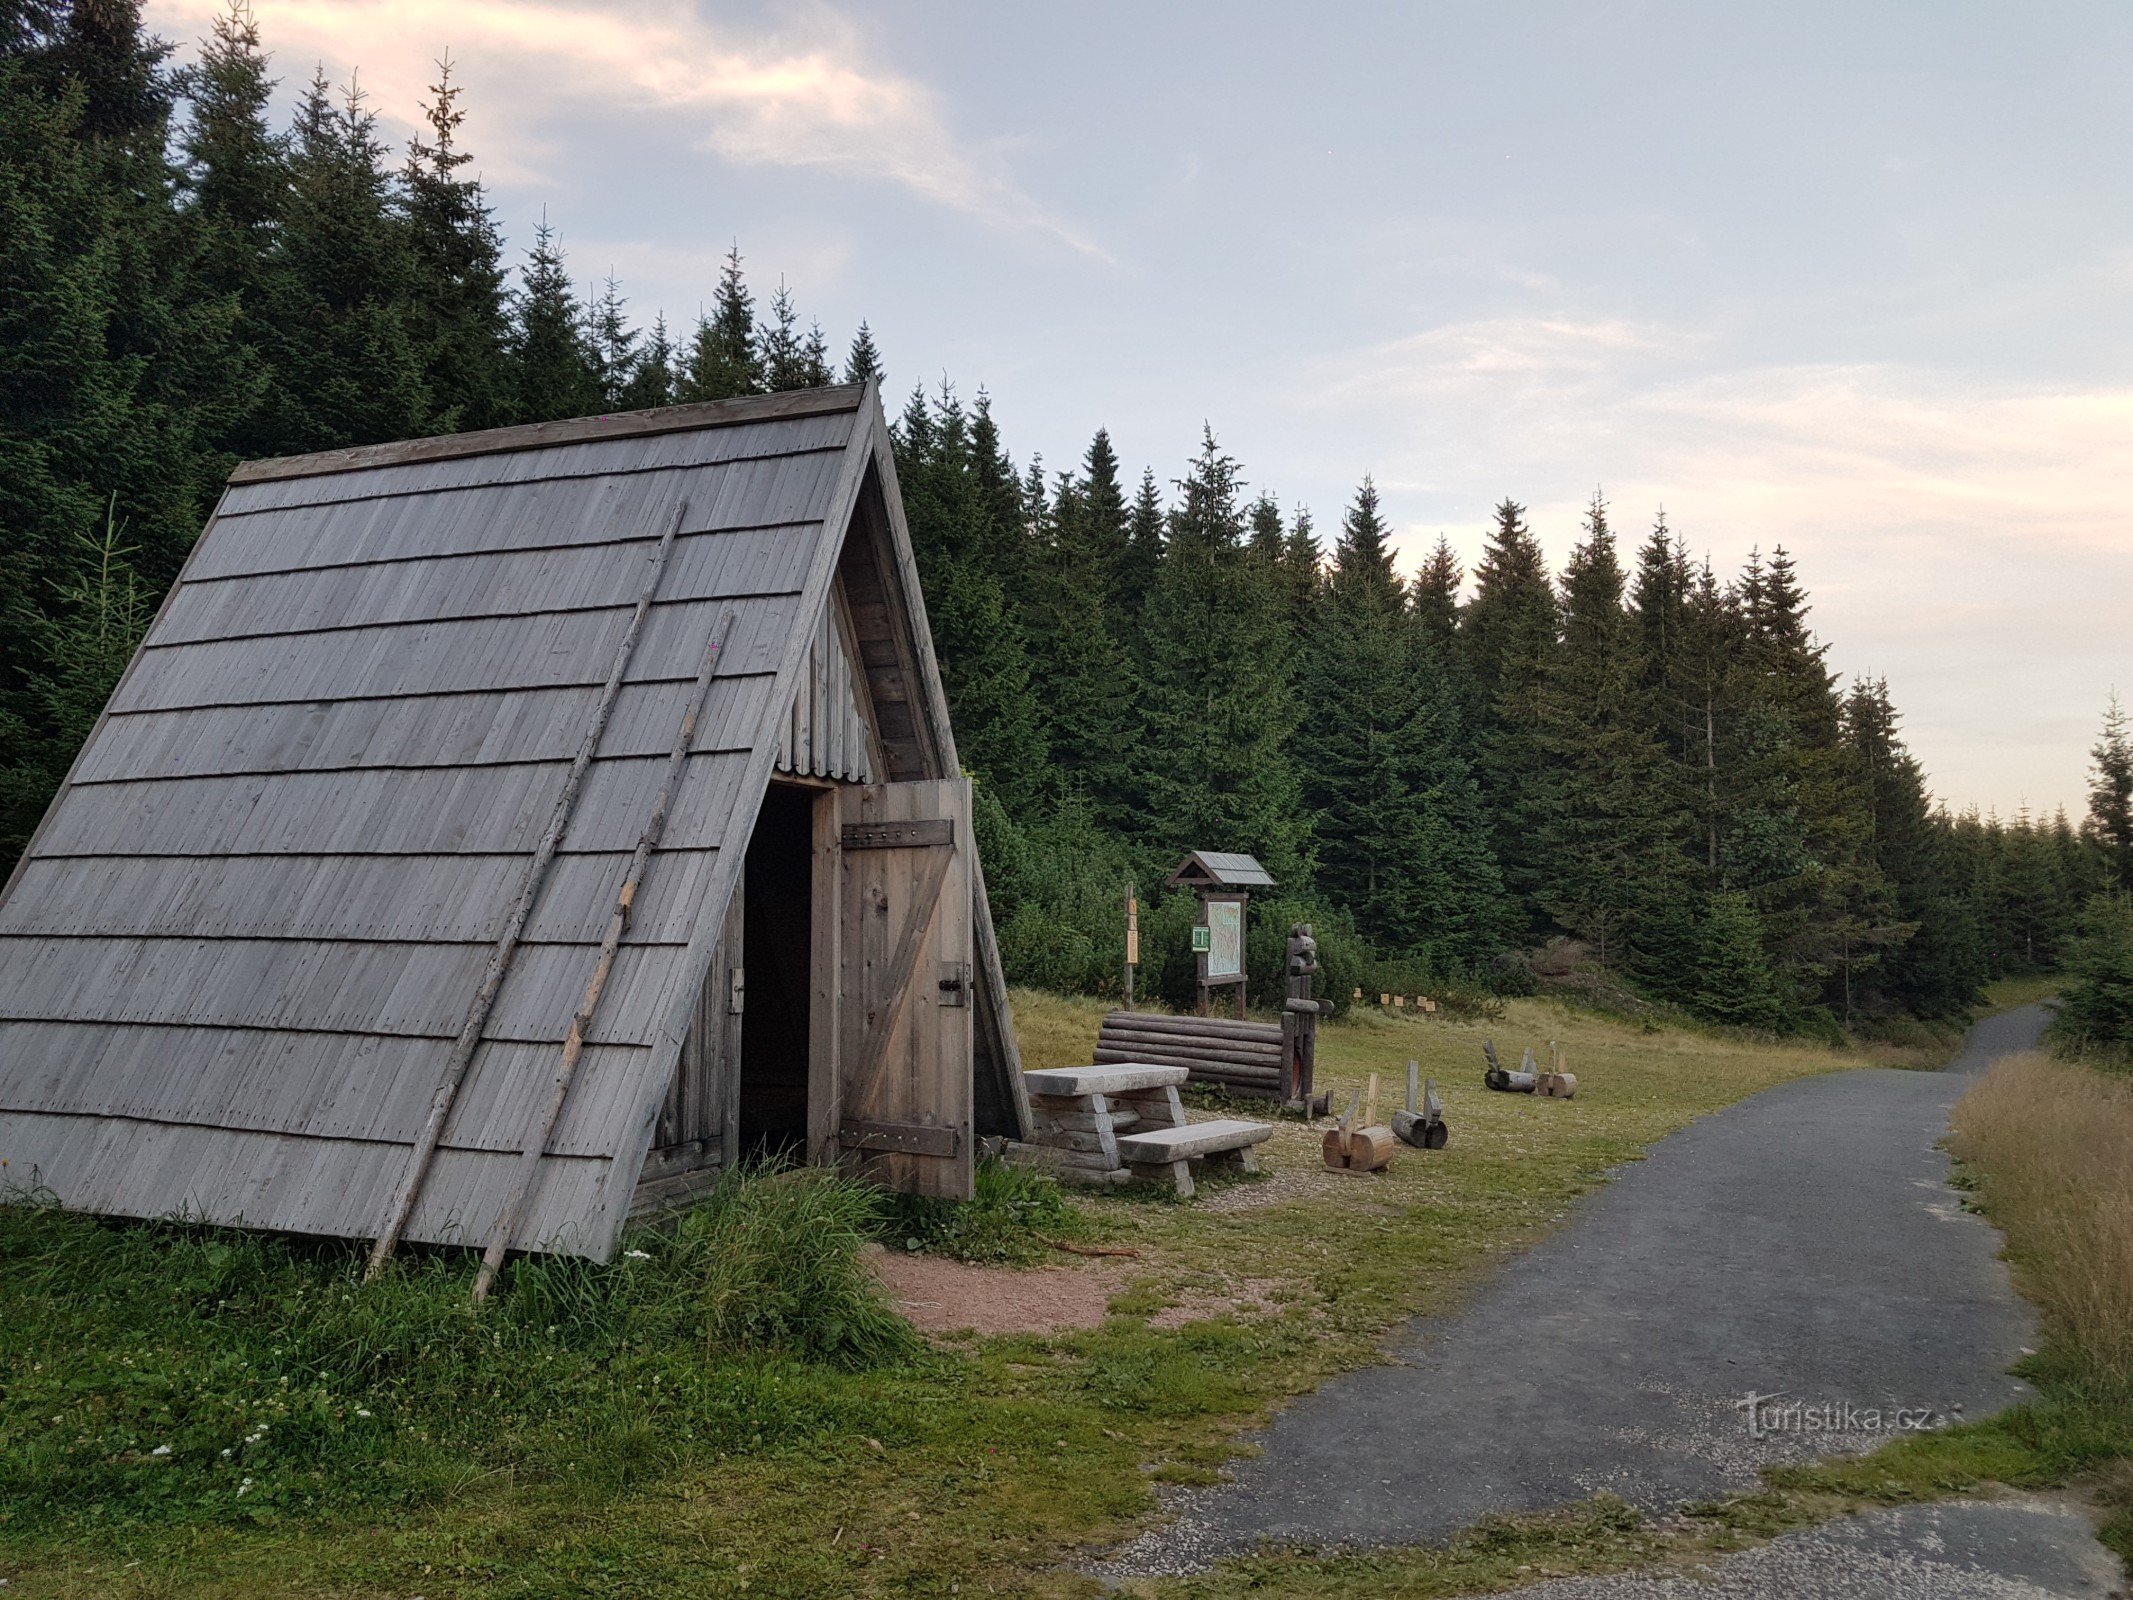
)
(905, 995)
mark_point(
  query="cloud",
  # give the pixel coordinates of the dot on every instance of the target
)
(809, 98)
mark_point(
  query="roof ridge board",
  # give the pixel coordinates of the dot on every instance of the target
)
(793, 403)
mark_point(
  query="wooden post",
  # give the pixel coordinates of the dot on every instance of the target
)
(1133, 938)
(1299, 1016)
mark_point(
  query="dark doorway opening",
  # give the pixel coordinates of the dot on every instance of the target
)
(777, 943)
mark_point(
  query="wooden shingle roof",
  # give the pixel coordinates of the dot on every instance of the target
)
(238, 950)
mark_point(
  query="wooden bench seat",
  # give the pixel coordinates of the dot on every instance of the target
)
(1194, 1140)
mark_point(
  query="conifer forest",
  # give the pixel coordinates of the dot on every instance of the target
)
(1636, 769)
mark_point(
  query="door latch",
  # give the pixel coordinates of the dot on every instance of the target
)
(955, 983)
(736, 991)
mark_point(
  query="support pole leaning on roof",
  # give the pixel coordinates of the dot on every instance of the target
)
(529, 1161)
(469, 1040)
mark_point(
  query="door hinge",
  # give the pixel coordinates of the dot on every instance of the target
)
(736, 991)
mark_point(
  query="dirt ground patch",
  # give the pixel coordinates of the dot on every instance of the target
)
(943, 1296)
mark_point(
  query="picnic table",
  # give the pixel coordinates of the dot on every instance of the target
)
(1106, 1124)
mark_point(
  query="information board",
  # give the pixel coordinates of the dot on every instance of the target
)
(1225, 939)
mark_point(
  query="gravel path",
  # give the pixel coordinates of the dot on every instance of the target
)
(1802, 1245)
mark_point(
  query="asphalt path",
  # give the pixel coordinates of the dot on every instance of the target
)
(1802, 1247)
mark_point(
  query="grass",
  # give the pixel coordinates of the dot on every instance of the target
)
(641, 1429)
(1009, 1220)
(2004, 994)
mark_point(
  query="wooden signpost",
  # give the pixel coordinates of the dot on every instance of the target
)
(1223, 880)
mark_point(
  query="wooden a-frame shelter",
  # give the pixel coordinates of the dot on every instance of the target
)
(300, 943)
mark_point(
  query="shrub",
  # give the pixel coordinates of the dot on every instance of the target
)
(2095, 1015)
(770, 1261)
(1007, 1220)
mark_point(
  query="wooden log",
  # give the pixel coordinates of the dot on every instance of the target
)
(1069, 1139)
(1419, 1129)
(1370, 1149)
(1237, 1075)
(1190, 1041)
(1169, 1053)
(1159, 1108)
(1047, 1155)
(1184, 1041)
(1120, 1117)
(1195, 1068)
(1358, 1150)
(1197, 1027)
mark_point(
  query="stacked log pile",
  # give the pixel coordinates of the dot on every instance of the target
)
(1244, 1056)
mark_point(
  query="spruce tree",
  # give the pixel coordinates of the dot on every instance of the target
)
(815, 359)
(236, 176)
(723, 360)
(343, 332)
(1660, 600)
(1402, 841)
(984, 662)
(1733, 980)
(119, 372)
(651, 381)
(781, 352)
(460, 318)
(1700, 705)
(1928, 952)
(1138, 563)
(612, 343)
(1217, 710)
(1801, 817)
(1084, 678)
(1611, 817)
(1302, 566)
(558, 369)
(1434, 599)
(1508, 638)
(1006, 543)
(2110, 819)
(863, 361)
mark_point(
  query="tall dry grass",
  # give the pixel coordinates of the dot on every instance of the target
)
(2050, 1145)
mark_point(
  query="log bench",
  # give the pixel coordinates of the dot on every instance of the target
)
(1112, 1121)
(1155, 1152)
(1272, 1060)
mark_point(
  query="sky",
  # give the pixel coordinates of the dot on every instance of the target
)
(1848, 279)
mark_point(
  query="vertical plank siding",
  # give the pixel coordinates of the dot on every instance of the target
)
(828, 733)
